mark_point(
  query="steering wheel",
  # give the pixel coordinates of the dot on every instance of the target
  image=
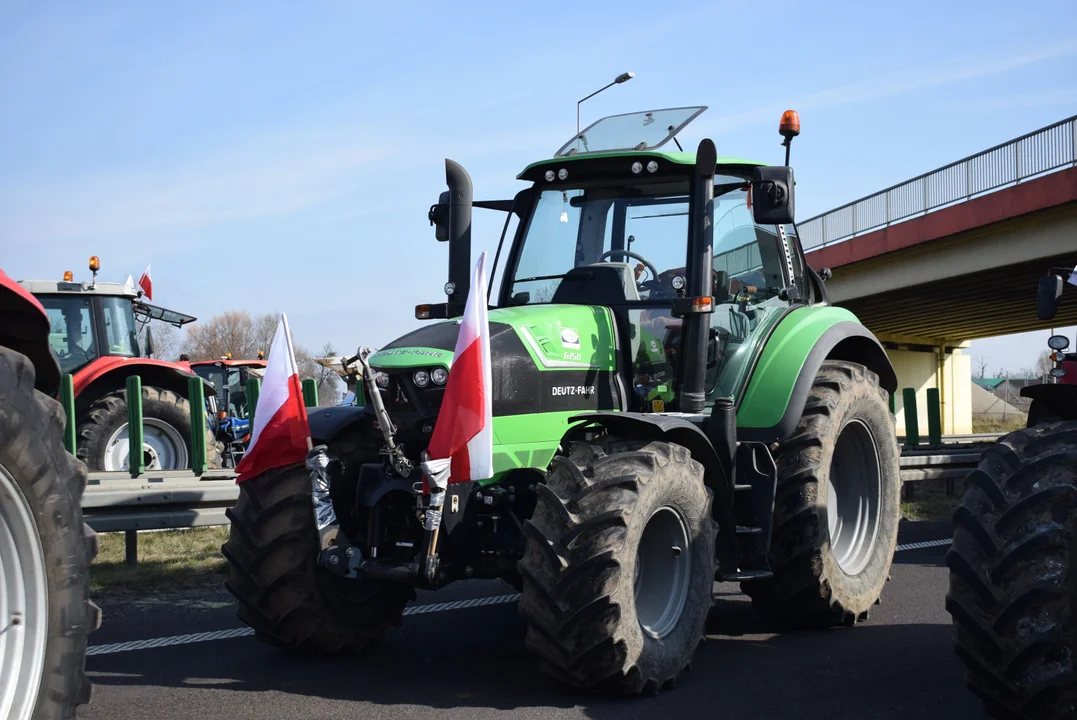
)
(635, 256)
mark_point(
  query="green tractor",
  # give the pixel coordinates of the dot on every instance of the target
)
(705, 417)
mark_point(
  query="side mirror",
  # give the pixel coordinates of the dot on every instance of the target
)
(826, 274)
(1047, 299)
(439, 217)
(772, 195)
(149, 342)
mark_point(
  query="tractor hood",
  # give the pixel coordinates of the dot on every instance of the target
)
(544, 337)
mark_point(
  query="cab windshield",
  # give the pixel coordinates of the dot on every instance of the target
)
(120, 326)
(643, 231)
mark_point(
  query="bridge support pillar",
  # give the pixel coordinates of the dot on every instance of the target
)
(926, 363)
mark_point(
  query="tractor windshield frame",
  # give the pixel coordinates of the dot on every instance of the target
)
(104, 316)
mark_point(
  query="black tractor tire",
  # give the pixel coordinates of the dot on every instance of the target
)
(1012, 567)
(282, 594)
(846, 425)
(580, 564)
(48, 483)
(109, 413)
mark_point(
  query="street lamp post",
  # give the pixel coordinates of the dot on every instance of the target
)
(622, 78)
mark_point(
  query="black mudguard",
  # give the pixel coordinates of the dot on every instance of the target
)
(1051, 400)
(328, 422)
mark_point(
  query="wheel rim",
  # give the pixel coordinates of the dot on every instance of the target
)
(662, 572)
(23, 603)
(854, 491)
(162, 447)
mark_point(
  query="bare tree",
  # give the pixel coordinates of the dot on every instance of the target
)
(982, 361)
(244, 335)
(166, 342)
(1044, 364)
(233, 331)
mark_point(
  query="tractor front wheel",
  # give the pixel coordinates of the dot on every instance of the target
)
(1012, 575)
(618, 567)
(166, 433)
(290, 602)
(837, 507)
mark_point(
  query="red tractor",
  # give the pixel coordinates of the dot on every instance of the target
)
(1013, 563)
(93, 332)
(45, 548)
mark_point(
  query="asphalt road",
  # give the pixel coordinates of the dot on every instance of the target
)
(469, 662)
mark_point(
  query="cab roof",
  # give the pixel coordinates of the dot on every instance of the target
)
(45, 287)
(686, 159)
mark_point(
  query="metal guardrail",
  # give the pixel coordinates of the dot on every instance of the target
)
(1045, 150)
(173, 499)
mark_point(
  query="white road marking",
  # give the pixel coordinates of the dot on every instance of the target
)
(413, 610)
(922, 545)
(244, 632)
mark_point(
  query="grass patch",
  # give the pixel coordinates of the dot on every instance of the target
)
(994, 425)
(930, 501)
(171, 559)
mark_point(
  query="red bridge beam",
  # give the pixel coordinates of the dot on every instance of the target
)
(1057, 188)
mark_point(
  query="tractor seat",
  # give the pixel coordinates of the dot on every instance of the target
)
(602, 283)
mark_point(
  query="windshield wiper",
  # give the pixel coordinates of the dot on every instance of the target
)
(540, 277)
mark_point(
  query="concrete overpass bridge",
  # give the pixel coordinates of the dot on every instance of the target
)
(954, 255)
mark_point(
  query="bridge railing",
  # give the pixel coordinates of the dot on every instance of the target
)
(1043, 151)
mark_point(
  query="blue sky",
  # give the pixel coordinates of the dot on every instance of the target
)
(281, 156)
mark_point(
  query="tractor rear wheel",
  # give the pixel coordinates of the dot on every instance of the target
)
(618, 567)
(837, 507)
(103, 440)
(1012, 568)
(290, 602)
(45, 553)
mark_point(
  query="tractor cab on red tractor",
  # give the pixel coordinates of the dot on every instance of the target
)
(94, 334)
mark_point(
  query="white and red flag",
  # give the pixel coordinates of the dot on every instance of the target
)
(463, 439)
(146, 283)
(281, 431)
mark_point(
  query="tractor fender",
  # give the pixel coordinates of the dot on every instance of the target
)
(109, 374)
(1051, 400)
(25, 329)
(328, 422)
(782, 378)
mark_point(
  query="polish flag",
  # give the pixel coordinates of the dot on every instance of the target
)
(281, 434)
(146, 284)
(463, 440)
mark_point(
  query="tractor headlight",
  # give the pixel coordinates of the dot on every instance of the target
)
(677, 282)
(1058, 372)
(637, 167)
(382, 379)
(652, 167)
(421, 378)
(439, 375)
(550, 175)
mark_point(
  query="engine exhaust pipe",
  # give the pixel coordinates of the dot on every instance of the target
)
(460, 199)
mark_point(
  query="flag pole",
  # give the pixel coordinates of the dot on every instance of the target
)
(291, 354)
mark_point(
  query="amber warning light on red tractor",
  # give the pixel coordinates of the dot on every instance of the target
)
(68, 276)
(95, 263)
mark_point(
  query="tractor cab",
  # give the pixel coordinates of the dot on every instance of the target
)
(617, 220)
(230, 377)
(92, 320)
